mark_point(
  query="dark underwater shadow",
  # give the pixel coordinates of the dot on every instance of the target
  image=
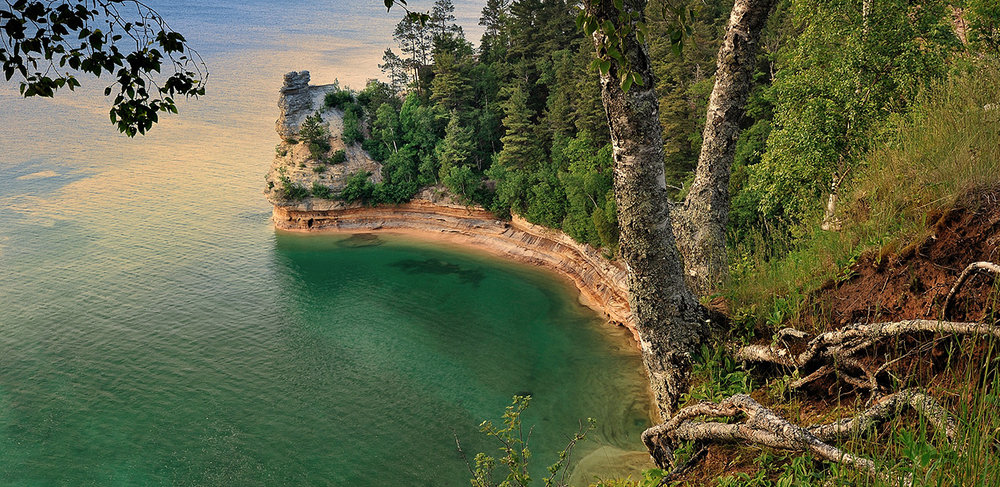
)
(359, 240)
(440, 267)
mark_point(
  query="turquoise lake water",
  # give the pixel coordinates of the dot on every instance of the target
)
(156, 330)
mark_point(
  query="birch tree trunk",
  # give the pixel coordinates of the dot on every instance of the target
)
(702, 220)
(669, 319)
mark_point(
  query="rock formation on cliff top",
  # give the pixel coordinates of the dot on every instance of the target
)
(295, 104)
(294, 164)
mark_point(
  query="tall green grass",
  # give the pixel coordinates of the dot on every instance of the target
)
(943, 150)
(908, 446)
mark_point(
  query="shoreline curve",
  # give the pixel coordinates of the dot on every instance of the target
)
(602, 284)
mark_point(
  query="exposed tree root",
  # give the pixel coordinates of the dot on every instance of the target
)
(971, 269)
(885, 409)
(761, 426)
(836, 352)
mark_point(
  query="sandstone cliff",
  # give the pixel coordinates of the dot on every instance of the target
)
(601, 282)
(293, 163)
(431, 214)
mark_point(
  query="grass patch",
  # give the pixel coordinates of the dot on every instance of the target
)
(946, 148)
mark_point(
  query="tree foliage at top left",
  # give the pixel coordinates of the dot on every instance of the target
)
(45, 45)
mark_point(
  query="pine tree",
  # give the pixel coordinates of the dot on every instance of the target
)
(450, 86)
(415, 41)
(684, 80)
(453, 153)
(442, 24)
(495, 42)
(396, 69)
(525, 30)
(519, 143)
(557, 23)
(588, 113)
(559, 118)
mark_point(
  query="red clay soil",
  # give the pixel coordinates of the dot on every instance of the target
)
(912, 283)
(909, 283)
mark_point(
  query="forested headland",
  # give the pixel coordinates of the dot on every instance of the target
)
(867, 147)
(515, 123)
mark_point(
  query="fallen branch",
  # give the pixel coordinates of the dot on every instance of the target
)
(971, 269)
(761, 426)
(837, 351)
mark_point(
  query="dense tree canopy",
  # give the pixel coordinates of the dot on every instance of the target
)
(829, 80)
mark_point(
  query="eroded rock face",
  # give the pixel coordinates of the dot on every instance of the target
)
(295, 103)
(602, 283)
(295, 167)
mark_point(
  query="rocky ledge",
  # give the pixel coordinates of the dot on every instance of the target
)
(601, 282)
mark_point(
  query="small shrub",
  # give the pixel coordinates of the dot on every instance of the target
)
(338, 99)
(352, 128)
(358, 188)
(321, 191)
(513, 443)
(319, 169)
(292, 191)
(280, 150)
(316, 133)
(338, 157)
(318, 148)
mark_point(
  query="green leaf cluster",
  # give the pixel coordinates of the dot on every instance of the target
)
(43, 45)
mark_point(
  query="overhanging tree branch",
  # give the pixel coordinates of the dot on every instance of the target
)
(45, 45)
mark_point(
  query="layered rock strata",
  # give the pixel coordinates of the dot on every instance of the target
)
(601, 282)
(432, 214)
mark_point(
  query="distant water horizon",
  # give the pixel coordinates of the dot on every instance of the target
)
(156, 330)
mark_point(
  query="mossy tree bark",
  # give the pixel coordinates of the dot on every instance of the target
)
(701, 222)
(669, 319)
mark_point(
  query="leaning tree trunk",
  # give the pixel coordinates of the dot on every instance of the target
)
(701, 223)
(669, 319)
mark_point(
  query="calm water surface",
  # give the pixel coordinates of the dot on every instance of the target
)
(155, 329)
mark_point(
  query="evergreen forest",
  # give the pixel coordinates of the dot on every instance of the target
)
(515, 123)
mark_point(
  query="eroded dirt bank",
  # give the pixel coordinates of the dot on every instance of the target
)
(602, 283)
